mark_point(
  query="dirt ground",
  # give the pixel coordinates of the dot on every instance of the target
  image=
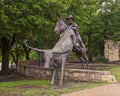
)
(13, 76)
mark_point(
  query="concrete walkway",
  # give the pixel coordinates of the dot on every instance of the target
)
(107, 90)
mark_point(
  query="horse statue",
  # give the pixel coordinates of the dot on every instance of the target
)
(79, 50)
(59, 53)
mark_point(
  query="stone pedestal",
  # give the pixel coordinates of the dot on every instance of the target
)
(69, 74)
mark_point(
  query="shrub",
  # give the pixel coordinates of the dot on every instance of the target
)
(101, 59)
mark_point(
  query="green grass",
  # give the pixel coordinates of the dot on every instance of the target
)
(115, 71)
(34, 87)
(41, 88)
(24, 82)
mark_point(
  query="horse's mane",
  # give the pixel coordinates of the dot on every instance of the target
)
(66, 34)
(60, 25)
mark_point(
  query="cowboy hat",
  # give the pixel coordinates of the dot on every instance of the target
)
(70, 17)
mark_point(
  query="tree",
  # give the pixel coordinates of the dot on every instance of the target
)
(21, 18)
(14, 20)
(108, 22)
(85, 13)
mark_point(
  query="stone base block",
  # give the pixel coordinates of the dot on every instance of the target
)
(69, 74)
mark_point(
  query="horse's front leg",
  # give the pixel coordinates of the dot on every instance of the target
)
(53, 76)
(62, 71)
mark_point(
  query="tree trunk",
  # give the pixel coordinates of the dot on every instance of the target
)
(27, 52)
(5, 62)
(5, 55)
(5, 50)
(90, 47)
(15, 54)
(27, 55)
(101, 48)
(15, 58)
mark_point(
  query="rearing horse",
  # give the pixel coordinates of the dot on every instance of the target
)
(61, 27)
(59, 53)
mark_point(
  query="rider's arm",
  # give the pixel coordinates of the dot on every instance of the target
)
(74, 27)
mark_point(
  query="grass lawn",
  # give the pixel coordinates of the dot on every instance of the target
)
(116, 72)
(42, 87)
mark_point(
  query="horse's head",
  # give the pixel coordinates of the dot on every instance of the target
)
(60, 25)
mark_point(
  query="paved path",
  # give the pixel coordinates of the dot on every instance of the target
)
(107, 90)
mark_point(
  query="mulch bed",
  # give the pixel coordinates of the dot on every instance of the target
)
(13, 76)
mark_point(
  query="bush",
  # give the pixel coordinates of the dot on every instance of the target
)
(72, 55)
(101, 59)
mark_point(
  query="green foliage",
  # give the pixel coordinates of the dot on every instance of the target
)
(34, 55)
(110, 21)
(101, 59)
(25, 19)
(33, 16)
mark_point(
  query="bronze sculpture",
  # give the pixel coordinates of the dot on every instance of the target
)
(58, 54)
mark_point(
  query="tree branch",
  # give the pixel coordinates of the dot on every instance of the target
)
(12, 41)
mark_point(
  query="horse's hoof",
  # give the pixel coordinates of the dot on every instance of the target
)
(51, 83)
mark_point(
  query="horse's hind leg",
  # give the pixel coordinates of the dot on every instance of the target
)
(83, 65)
(80, 58)
(86, 61)
(53, 76)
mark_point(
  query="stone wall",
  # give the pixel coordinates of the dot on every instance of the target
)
(112, 50)
(70, 74)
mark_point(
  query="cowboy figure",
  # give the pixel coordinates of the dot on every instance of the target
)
(79, 45)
